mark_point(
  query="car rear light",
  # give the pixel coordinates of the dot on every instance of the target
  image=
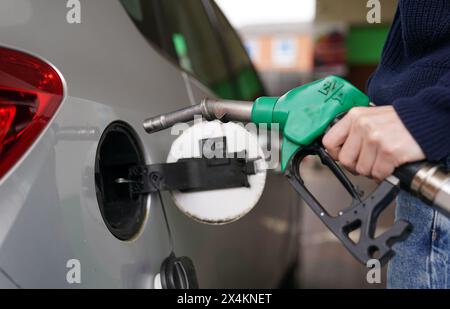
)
(30, 93)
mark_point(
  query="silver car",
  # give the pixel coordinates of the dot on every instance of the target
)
(73, 96)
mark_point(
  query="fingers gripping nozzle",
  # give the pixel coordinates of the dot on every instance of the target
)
(223, 110)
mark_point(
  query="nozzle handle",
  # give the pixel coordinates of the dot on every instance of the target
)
(407, 172)
(427, 181)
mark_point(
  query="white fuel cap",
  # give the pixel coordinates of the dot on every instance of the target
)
(223, 206)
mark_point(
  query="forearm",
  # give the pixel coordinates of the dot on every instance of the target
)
(427, 118)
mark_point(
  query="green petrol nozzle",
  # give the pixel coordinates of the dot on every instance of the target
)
(303, 114)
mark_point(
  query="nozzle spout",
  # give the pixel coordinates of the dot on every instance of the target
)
(223, 110)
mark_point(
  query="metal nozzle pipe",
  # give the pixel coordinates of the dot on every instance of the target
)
(428, 182)
(223, 110)
(442, 198)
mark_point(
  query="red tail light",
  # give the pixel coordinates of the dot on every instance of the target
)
(30, 93)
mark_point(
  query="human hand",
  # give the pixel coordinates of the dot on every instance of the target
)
(372, 141)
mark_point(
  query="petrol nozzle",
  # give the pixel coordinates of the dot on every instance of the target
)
(304, 114)
(223, 110)
(429, 182)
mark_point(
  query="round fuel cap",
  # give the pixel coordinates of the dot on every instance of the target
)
(225, 205)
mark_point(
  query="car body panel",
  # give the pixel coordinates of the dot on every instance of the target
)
(6, 282)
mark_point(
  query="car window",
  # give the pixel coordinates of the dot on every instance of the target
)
(195, 43)
(144, 16)
(184, 32)
(243, 73)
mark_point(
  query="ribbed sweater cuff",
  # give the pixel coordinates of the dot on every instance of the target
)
(427, 117)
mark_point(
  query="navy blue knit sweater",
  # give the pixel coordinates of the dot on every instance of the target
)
(414, 74)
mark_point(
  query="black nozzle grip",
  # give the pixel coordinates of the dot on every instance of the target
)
(361, 214)
(407, 172)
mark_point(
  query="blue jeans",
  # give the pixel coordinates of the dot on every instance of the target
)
(423, 260)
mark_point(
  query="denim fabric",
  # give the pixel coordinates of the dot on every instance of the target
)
(423, 260)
